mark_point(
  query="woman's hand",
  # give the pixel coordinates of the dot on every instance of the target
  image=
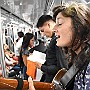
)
(31, 87)
(15, 62)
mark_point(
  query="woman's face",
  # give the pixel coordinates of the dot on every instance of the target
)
(64, 29)
(32, 42)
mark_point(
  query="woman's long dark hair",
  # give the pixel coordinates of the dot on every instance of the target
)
(80, 15)
(26, 40)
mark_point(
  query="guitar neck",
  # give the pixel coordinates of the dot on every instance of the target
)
(11, 84)
(44, 86)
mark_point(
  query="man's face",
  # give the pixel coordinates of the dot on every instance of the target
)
(46, 29)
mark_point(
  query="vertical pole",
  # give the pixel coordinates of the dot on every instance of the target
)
(2, 50)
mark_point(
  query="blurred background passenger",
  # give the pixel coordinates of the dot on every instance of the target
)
(18, 43)
(9, 56)
(11, 63)
(27, 45)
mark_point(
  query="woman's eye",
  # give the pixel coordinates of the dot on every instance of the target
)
(59, 24)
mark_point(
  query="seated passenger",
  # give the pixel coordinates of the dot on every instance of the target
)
(11, 64)
(8, 51)
(9, 56)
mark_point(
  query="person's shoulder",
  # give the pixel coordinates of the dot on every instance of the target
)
(21, 39)
(24, 49)
(27, 51)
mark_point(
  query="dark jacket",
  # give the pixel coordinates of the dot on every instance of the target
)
(54, 61)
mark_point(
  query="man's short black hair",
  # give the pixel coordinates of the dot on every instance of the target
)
(20, 34)
(43, 19)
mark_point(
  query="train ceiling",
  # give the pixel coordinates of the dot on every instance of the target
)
(30, 10)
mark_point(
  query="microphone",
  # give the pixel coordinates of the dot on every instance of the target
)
(57, 37)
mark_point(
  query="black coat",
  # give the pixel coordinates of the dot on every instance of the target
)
(54, 61)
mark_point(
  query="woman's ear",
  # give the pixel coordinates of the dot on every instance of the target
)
(48, 24)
